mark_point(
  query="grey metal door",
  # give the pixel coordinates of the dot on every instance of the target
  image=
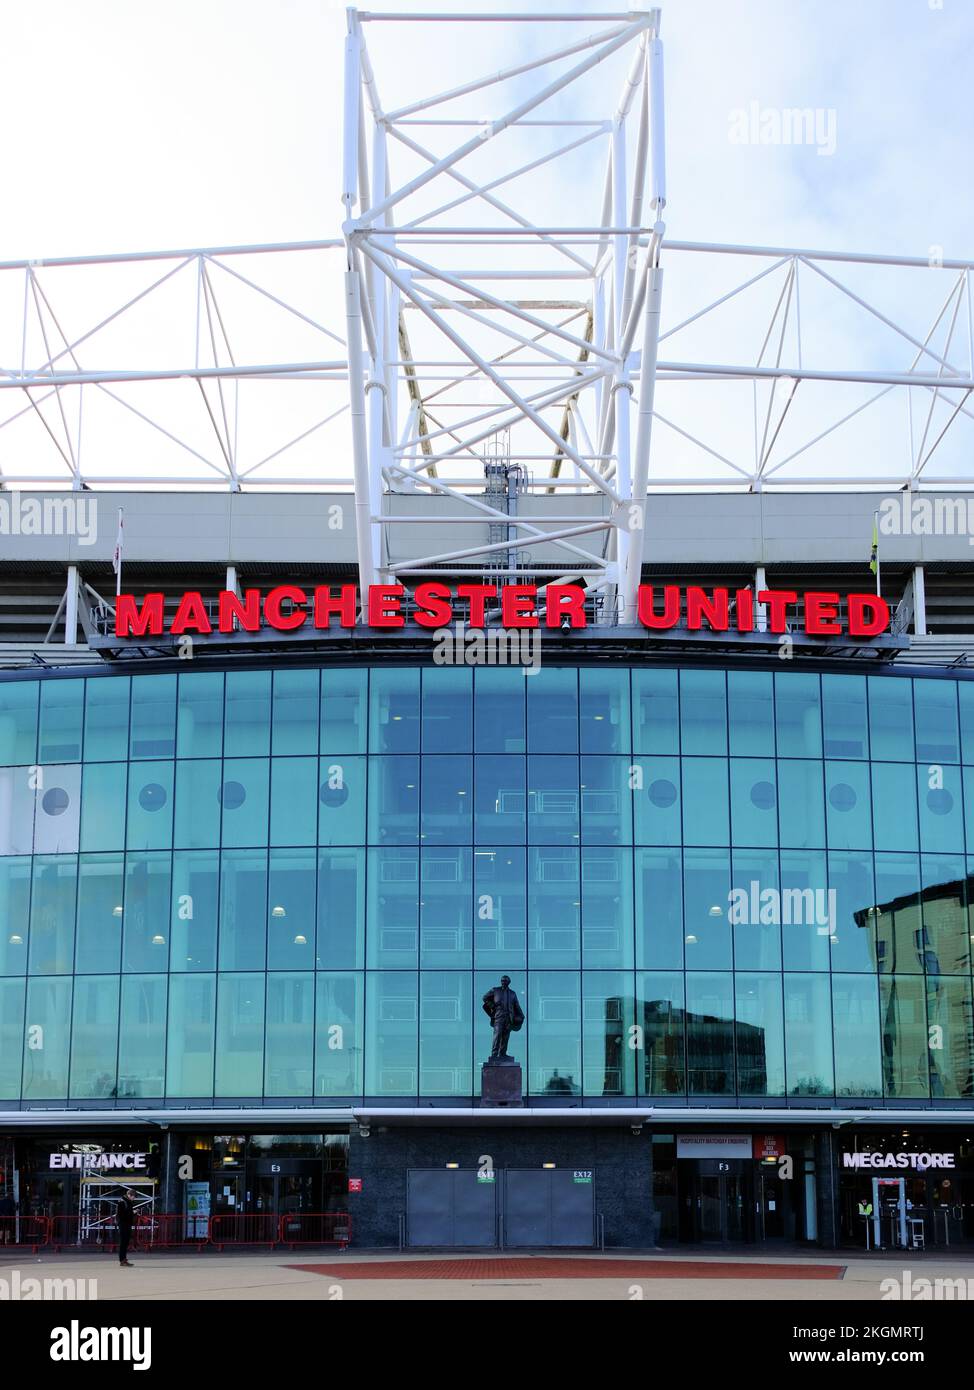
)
(450, 1207)
(549, 1207)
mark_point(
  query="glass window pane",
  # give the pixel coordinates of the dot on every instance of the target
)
(844, 716)
(243, 910)
(553, 710)
(394, 711)
(946, 930)
(553, 795)
(447, 710)
(391, 1033)
(847, 806)
(52, 905)
(604, 718)
(294, 724)
(107, 719)
(500, 926)
(949, 1012)
(57, 811)
(903, 1011)
(553, 1025)
(195, 909)
(48, 1022)
(62, 715)
(607, 909)
(392, 923)
(17, 799)
(339, 1035)
(446, 937)
(659, 909)
(754, 801)
(291, 910)
(244, 801)
(294, 801)
(710, 1034)
(94, 1037)
(393, 801)
(101, 890)
(142, 1036)
(341, 909)
(703, 712)
(941, 809)
(12, 1038)
(607, 1018)
(756, 910)
(240, 1036)
(706, 893)
(554, 909)
(499, 800)
(341, 800)
(759, 1035)
(606, 800)
(657, 802)
(153, 724)
(18, 722)
(445, 1033)
(247, 714)
(150, 806)
(199, 725)
(806, 923)
(750, 702)
(808, 1035)
(344, 704)
(289, 1046)
(197, 809)
(935, 712)
(145, 923)
(656, 711)
(896, 915)
(890, 718)
(705, 812)
(103, 793)
(14, 914)
(855, 1019)
(447, 801)
(965, 694)
(661, 1012)
(801, 803)
(798, 717)
(894, 806)
(499, 709)
(854, 941)
(192, 1020)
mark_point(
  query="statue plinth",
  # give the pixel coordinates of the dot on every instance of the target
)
(500, 1083)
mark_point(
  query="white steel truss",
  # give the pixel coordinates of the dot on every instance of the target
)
(500, 317)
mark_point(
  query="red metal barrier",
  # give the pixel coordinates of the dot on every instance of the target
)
(315, 1228)
(260, 1228)
(165, 1231)
(17, 1232)
(71, 1233)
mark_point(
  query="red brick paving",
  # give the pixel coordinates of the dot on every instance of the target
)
(557, 1267)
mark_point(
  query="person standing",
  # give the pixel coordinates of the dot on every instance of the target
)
(8, 1225)
(124, 1217)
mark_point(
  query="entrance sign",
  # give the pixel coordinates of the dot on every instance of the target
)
(131, 1162)
(288, 607)
(713, 1146)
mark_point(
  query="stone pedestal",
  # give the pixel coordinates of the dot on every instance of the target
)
(500, 1084)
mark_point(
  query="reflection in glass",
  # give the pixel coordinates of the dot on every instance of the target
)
(710, 1034)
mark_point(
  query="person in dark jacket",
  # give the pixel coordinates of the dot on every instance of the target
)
(124, 1217)
(8, 1211)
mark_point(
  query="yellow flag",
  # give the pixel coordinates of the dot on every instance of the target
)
(874, 554)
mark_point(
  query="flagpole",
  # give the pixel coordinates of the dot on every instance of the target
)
(876, 528)
(118, 554)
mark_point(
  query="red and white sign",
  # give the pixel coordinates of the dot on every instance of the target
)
(355, 1184)
(769, 1146)
(287, 607)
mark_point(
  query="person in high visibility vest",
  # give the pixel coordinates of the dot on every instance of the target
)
(865, 1210)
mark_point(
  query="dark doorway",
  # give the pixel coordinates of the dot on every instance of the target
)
(545, 1207)
(450, 1207)
(718, 1203)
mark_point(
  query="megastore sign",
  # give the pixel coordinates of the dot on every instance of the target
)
(288, 607)
(919, 1161)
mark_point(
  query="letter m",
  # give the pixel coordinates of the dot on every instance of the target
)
(131, 621)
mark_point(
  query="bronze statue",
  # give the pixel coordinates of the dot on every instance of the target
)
(506, 1016)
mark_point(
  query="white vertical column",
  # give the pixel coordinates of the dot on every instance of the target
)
(71, 608)
(919, 602)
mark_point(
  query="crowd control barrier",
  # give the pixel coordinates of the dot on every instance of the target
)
(21, 1232)
(172, 1231)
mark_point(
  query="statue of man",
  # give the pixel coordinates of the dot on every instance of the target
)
(506, 1016)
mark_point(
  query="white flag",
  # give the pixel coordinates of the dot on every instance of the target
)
(117, 553)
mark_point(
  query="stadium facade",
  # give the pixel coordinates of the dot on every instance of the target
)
(255, 884)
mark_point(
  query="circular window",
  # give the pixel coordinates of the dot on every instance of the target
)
(333, 796)
(762, 796)
(232, 795)
(55, 801)
(842, 797)
(940, 801)
(662, 793)
(152, 797)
